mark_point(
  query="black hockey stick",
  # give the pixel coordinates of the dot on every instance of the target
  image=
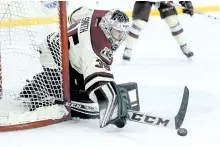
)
(173, 123)
(140, 117)
(180, 6)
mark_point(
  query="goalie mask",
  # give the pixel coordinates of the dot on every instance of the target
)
(115, 25)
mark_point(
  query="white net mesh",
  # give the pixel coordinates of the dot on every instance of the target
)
(27, 88)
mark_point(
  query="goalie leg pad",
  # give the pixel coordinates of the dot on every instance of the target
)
(112, 106)
(40, 89)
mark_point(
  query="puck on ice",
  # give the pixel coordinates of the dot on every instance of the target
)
(182, 132)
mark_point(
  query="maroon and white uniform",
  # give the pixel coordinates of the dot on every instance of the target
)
(90, 52)
(93, 36)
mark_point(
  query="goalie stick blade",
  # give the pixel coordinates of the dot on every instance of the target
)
(160, 121)
(179, 118)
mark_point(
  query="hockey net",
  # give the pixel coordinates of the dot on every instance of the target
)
(24, 25)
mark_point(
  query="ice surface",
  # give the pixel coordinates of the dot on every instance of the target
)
(161, 71)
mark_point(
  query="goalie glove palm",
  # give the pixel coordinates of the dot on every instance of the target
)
(112, 106)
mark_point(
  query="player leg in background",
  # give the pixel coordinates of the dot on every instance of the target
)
(169, 14)
(140, 16)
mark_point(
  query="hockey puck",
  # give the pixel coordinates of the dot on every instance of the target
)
(182, 132)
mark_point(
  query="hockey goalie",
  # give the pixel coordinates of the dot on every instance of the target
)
(93, 37)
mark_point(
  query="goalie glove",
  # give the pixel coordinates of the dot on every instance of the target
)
(113, 105)
(189, 7)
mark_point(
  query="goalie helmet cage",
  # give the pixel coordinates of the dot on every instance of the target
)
(25, 94)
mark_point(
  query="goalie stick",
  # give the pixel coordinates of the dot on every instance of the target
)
(140, 117)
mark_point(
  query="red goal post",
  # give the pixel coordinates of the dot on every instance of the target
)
(21, 35)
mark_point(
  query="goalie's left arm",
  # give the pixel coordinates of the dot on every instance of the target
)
(42, 85)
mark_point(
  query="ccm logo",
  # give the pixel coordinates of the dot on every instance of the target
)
(149, 119)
